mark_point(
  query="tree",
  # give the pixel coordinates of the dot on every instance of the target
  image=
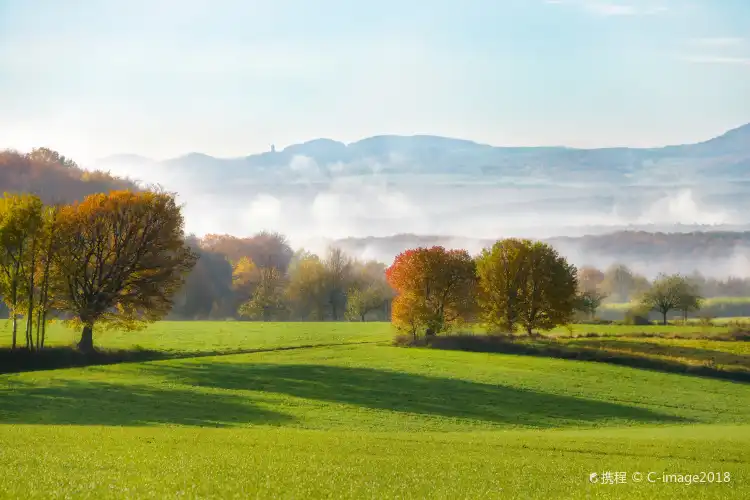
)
(207, 292)
(20, 224)
(690, 298)
(501, 271)
(245, 278)
(338, 277)
(590, 279)
(670, 292)
(525, 283)
(588, 301)
(307, 288)
(369, 290)
(124, 258)
(435, 289)
(267, 301)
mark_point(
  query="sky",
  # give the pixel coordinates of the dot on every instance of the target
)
(163, 78)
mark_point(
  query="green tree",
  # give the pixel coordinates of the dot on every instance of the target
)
(525, 283)
(267, 301)
(20, 225)
(668, 293)
(307, 291)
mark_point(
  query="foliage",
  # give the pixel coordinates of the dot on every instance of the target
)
(267, 302)
(527, 284)
(435, 289)
(671, 292)
(125, 258)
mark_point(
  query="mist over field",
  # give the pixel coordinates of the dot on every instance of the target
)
(450, 196)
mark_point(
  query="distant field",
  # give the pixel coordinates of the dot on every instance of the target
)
(708, 303)
(364, 420)
(219, 336)
(717, 307)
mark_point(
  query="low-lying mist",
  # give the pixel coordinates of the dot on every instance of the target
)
(314, 208)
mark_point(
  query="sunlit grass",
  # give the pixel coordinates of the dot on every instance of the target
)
(364, 419)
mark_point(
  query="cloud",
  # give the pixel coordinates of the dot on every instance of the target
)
(612, 9)
(715, 59)
(726, 41)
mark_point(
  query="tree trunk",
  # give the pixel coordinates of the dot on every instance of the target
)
(15, 327)
(87, 339)
(363, 318)
(38, 328)
(665, 318)
(44, 326)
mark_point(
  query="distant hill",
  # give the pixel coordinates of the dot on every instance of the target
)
(726, 156)
(53, 178)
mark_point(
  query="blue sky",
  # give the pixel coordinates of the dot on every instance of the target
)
(230, 77)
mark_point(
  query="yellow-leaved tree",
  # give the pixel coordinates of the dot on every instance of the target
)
(121, 257)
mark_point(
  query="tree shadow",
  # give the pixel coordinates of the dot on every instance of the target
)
(96, 403)
(410, 393)
(671, 350)
(689, 363)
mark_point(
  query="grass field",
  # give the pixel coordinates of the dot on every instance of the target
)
(347, 415)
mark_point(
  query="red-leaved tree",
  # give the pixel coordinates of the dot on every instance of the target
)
(435, 289)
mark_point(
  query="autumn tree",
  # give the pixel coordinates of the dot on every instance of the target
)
(668, 293)
(591, 292)
(124, 259)
(267, 300)
(307, 291)
(434, 289)
(525, 283)
(590, 278)
(245, 278)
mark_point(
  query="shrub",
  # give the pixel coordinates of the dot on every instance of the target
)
(636, 317)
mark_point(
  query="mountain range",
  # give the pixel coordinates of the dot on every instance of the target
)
(726, 157)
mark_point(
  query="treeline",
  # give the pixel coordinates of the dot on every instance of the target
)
(516, 284)
(53, 177)
(684, 247)
(113, 259)
(262, 278)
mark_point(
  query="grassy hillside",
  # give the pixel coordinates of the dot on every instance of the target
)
(362, 420)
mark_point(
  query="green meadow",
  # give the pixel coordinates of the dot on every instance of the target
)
(324, 410)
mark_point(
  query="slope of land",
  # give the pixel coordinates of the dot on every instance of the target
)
(368, 421)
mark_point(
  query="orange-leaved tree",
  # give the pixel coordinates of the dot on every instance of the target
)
(122, 258)
(434, 287)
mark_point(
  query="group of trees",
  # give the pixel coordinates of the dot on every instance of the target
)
(54, 177)
(514, 284)
(262, 278)
(519, 284)
(115, 259)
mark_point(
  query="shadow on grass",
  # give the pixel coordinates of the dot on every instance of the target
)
(598, 351)
(408, 393)
(53, 358)
(668, 349)
(96, 403)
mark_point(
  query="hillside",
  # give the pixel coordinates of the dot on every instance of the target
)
(53, 177)
(726, 156)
